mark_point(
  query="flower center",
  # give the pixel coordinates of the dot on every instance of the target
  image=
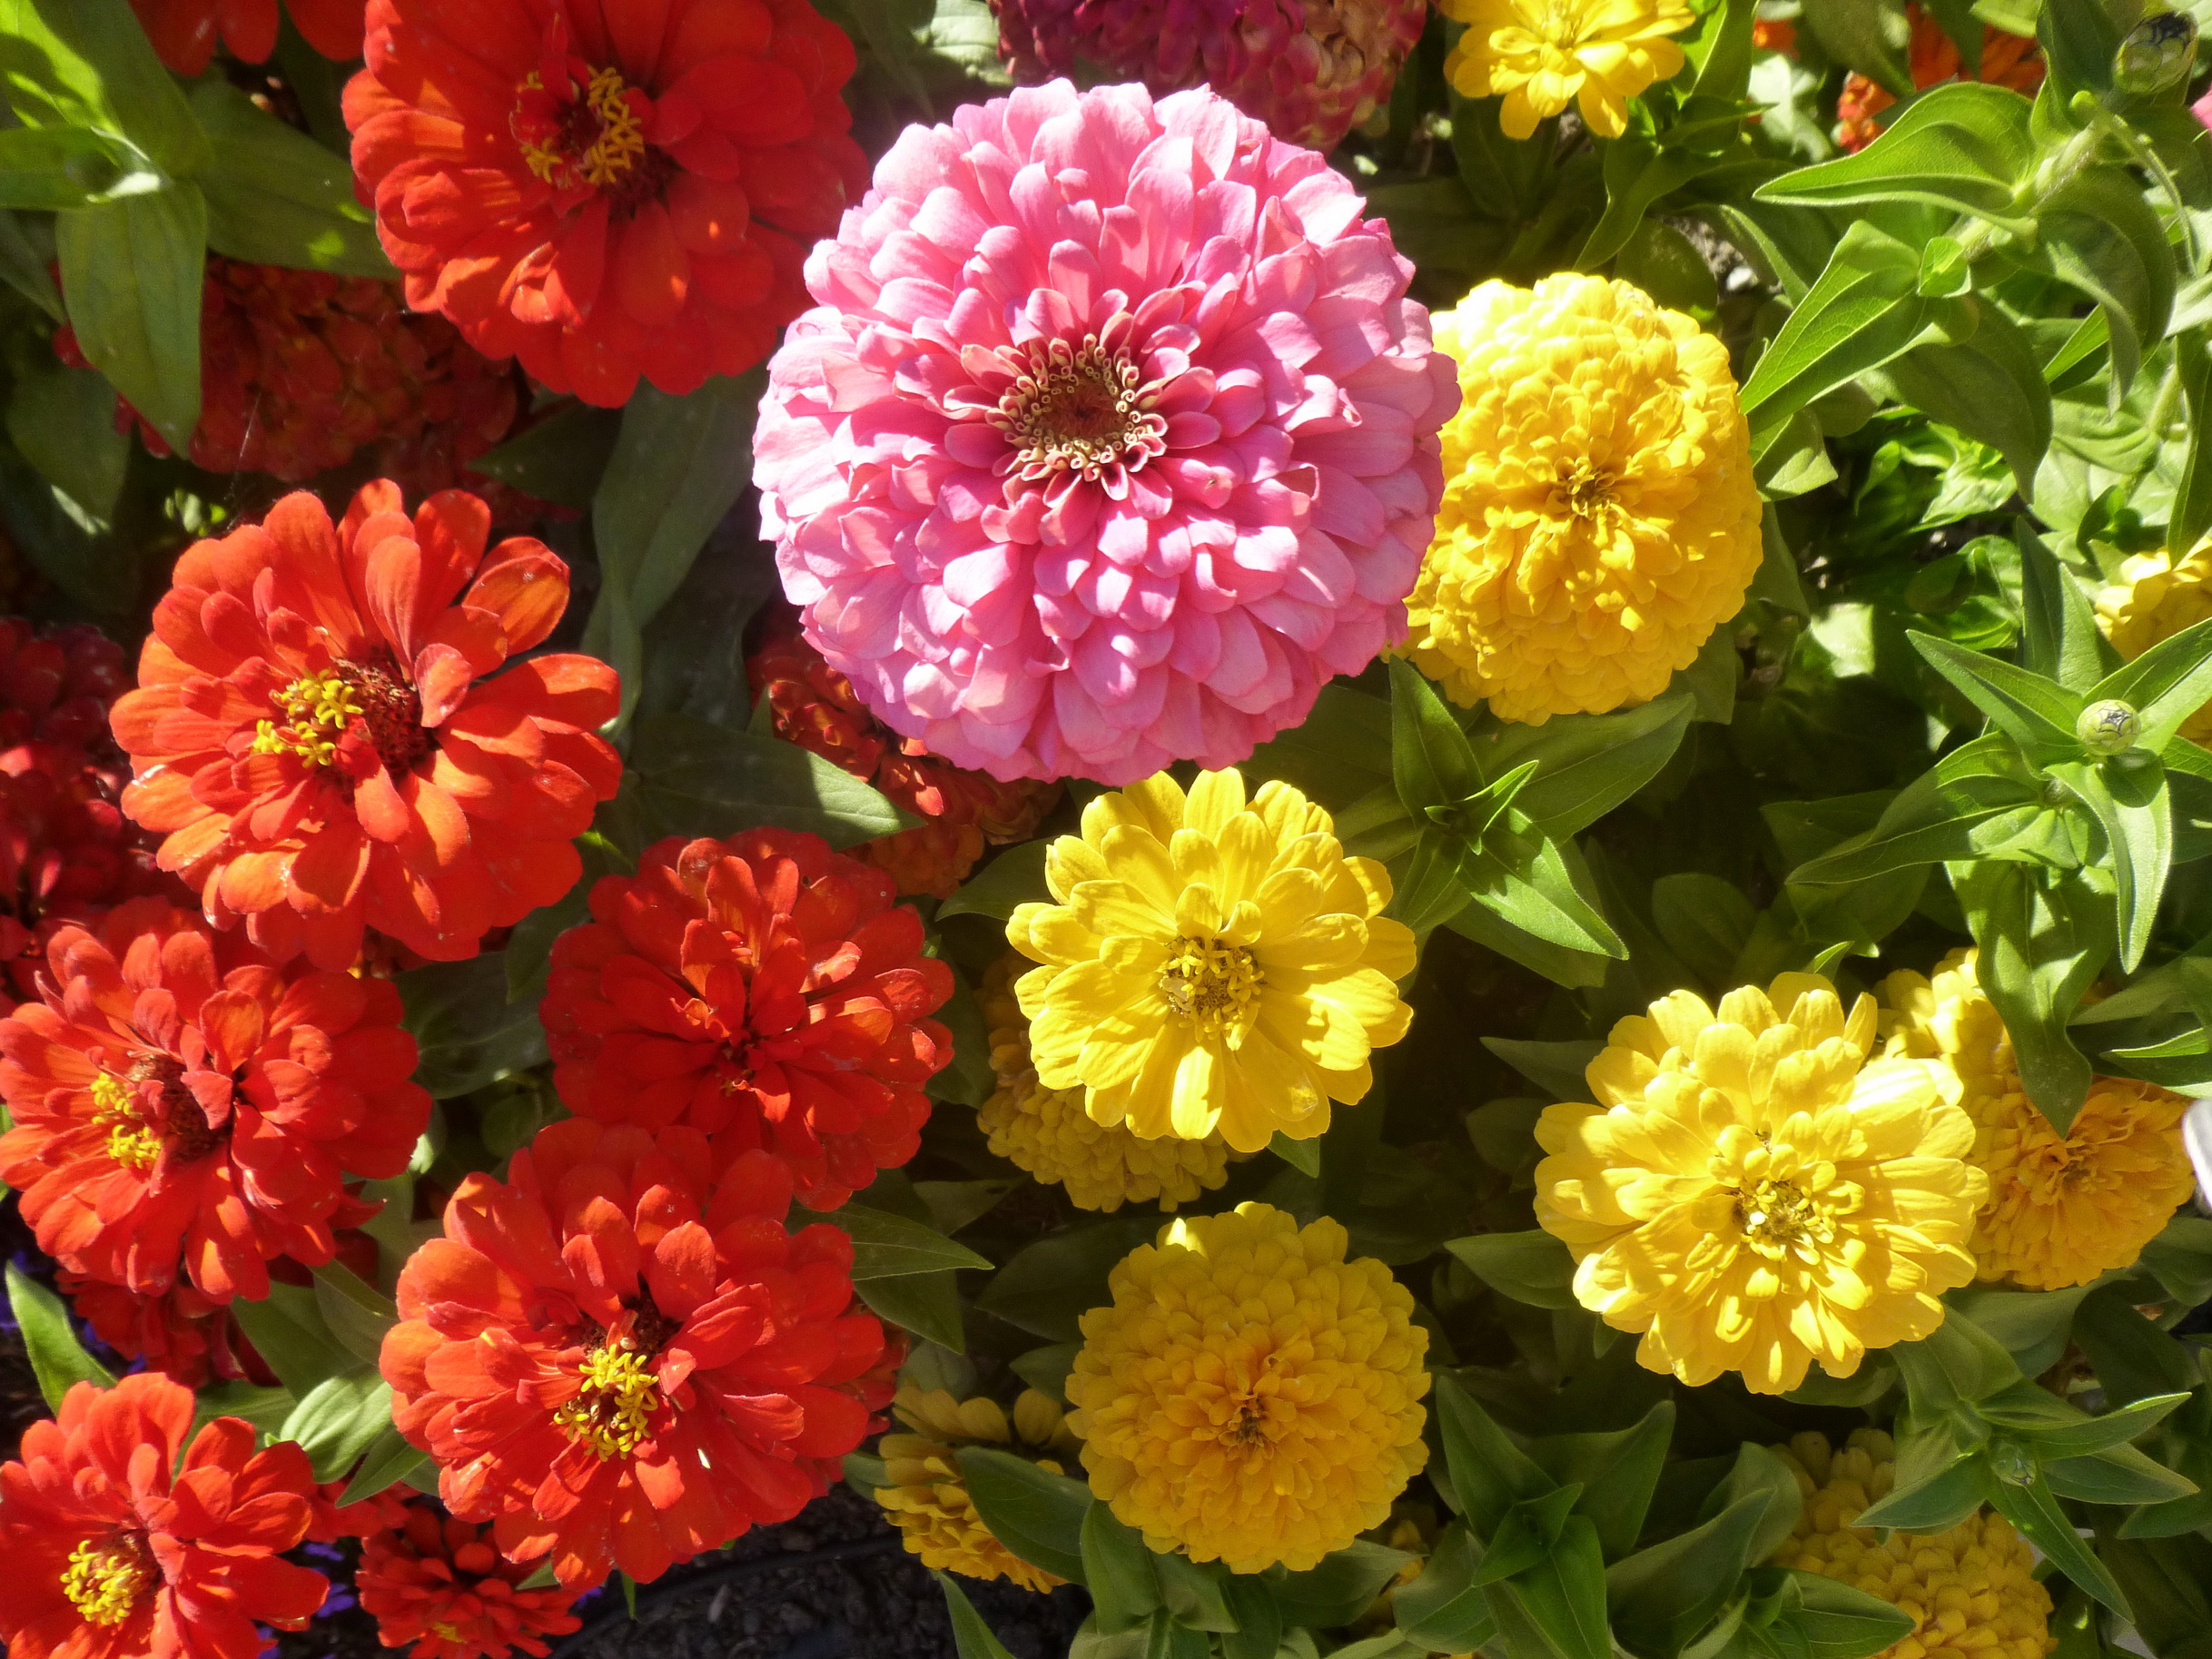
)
(1781, 1215)
(1211, 983)
(446, 1632)
(1587, 493)
(1083, 410)
(131, 1141)
(106, 1582)
(610, 1412)
(588, 135)
(319, 707)
(135, 1143)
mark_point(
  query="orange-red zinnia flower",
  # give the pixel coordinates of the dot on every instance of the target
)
(439, 1584)
(185, 32)
(114, 1552)
(620, 1357)
(816, 708)
(55, 686)
(184, 1334)
(315, 731)
(2006, 60)
(181, 1102)
(763, 988)
(606, 188)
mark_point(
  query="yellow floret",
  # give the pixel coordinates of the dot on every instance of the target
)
(1251, 1396)
(1600, 519)
(927, 1498)
(1542, 55)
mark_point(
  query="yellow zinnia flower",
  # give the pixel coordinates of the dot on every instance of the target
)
(1600, 519)
(2156, 599)
(1752, 1195)
(1544, 55)
(1211, 965)
(927, 1498)
(1047, 1133)
(2063, 1208)
(1250, 1396)
(1969, 1590)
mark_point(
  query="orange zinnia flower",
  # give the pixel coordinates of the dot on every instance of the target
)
(815, 707)
(184, 32)
(179, 1101)
(442, 1587)
(55, 686)
(314, 729)
(622, 1357)
(184, 1334)
(763, 987)
(114, 1553)
(2006, 60)
(606, 188)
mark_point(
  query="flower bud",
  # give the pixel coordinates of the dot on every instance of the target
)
(2108, 727)
(2158, 54)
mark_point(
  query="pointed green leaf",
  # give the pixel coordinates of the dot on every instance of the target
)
(1557, 1610)
(1965, 146)
(2035, 1512)
(1444, 1610)
(1541, 887)
(1618, 1473)
(388, 1461)
(1258, 1618)
(2121, 1478)
(2037, 714)
(2128, 797)
(1118, 1570)
(2061, 640)
(1529, 1267)
(2131, 1422)
(1343, 1586)
(1863, 311)
(1841, 1621)
(2166, 684)
(1526, 1535)
(972, 1638)
(1936, 1504)
(1430, 758)
(1661, 1596)
(2040, 949)
(1489, 1473)
(132, 276)
(289, 1331)
(57, 1358)
(1034, 1512)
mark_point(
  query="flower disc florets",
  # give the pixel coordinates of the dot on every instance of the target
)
(1752, 1195)
(2063, 1208)
(1211, 965)
(762, 988)
(927, 1498)
(1111, 438)
(1600, 517)
(1250, 1396)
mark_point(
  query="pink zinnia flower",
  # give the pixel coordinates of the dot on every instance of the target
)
(1311, 69)
(1113, 437)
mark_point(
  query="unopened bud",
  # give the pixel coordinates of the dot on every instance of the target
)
(2108, 727)
(2012, 1462)
(2158, 54)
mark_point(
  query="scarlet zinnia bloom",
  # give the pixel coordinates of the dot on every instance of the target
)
(185, 32)
(174, 1107)
(314, 729)
(67, 854)
(815, 708)
(114, 1553)
(620, 1357)
(1077, 471)
(300, 370)
(439, 1584)
(183, 1333)
(606, 188)
(55, 687)
(763, 988)
(2006, 60)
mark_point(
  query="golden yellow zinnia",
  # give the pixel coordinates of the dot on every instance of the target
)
(1600, 519)
(2155, 599)
(1971, 1590)
(927, 1498)
(1544, 55)
(1211, 965)
(1752, 1194)
(1047, 1133)
(1250, 1396)
(2063, 1208)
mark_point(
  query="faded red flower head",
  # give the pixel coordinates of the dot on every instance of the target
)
(438, 1588)
(184, 1334)
(815, 707)
(182, 1103)
(114, 1552)
(620, 1357)
(330, 730)
(331, 1520)
(185, 32)
(606, 188)
(762, 988)
(2006, 60)
(56, 685)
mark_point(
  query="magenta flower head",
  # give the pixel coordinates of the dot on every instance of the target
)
(1311, 69)
(1112, 438)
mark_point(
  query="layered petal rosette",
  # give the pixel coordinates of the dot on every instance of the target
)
(619, 1358)
(185, 1110)
(1113, 436)
(437, 1587)
(763, 988)
(332, 731)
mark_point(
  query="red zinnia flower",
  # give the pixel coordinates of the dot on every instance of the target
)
(184, 32)
(2006, 60)
(440, 1586)
(606, 188)
(314, 730)
(171, 1106)
(762, 987)
(186, 1335)
(622, 1357)
(815, 707)
(114, 1552)
(55, 687)
(332, 1521)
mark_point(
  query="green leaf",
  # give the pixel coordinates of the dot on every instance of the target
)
(2131, 1422)
(1965, 146)
(2120, 1478)
(1936, 1504)
(1014, 878)
(132, 274)
(264, 1409)
(1304, 1156)
(1034, 1512)
(2129, 801)
(467, 1032)
(1532, 1266)
(1576, 970)
(1337, 1591)
(356, 1313)
(2037, 958)
(1841, 1621)
(1489, 1473)
(1557, 1610)
(1618, 1473)
(22, 267)
(2035, 1512)
(675, 472)
(57, 1358)
(2037, 714)
(1586, 764)
(57, 169)
(1556, 1068)
(2079, 38)
(2098, 234)
(63, 420)
(1259, 1621)
(1705, 921)
(1339, 752)
(927, 1304)
(276, 197)
(1989, 386)
(88, 63)
(1638, 174)
(885, 1246)
(388, 1461)
(1192, 1594)
(2031, 1325)
(2165, 686)
(1868, 36)
(1538, 884)
(972, 1638)
(1661, 1596)
(1863, 311)
(289, 1331)
(1430, 758)
(1046, 1287)
(2060, 640)
(560, 459)
(1117, 1571)
(696, 778)
(338, 1419)
(1526, 1537)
